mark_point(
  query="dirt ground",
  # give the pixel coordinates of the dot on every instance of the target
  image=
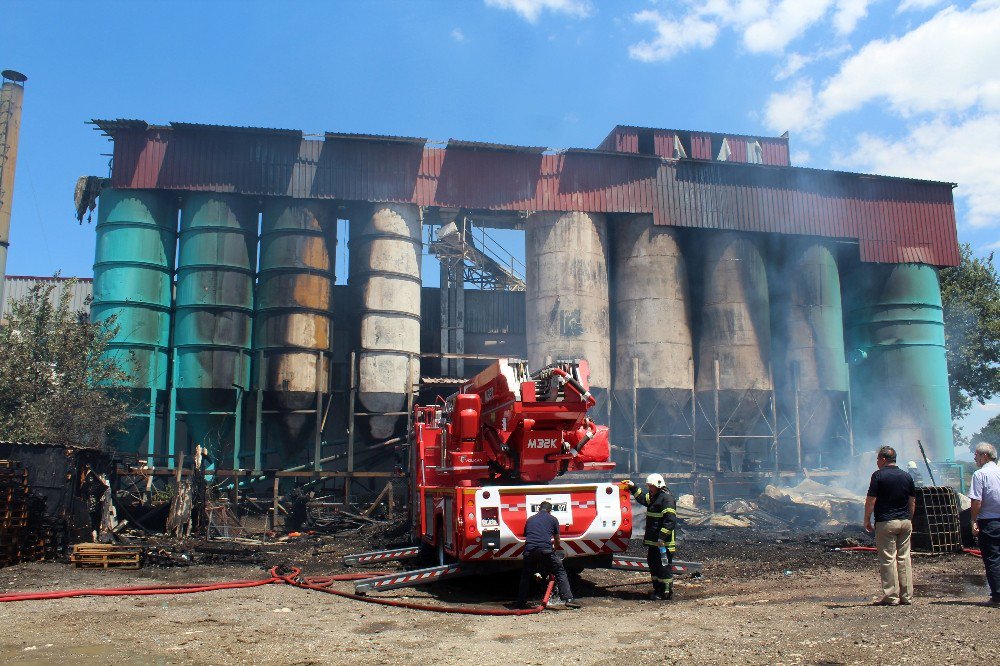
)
(762, 600)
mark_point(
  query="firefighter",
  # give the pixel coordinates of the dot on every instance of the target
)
(661, 518)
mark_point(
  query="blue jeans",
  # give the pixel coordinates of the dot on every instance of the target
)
(989, 544)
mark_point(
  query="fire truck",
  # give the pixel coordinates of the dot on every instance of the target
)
(484, 459)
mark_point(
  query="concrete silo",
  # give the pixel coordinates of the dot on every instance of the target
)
(733, 381)
(654, 372)
(566, 258)
(385, 276)
(808, 346)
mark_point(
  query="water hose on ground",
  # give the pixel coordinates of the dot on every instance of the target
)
(279, 575)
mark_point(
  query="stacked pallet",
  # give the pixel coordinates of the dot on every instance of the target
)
(14, 511)
(106, 556)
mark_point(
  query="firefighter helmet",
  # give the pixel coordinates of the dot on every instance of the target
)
(656, 480)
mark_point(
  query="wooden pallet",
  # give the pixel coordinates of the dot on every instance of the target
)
(106, 556)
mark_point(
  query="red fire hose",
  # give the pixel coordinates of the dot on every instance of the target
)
(969, 551)
(278, 576)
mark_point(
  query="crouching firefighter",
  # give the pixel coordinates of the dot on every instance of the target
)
(661, 519)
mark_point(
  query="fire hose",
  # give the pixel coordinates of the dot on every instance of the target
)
(869, 549)
(279, 576)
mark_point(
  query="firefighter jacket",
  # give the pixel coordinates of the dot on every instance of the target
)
(661, 517)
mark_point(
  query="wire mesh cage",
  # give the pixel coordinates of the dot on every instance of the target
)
(935, 523)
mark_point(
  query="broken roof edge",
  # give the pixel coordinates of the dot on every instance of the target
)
(784, 137)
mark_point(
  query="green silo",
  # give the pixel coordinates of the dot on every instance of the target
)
(216, 260)
(899, 375)
(133, 270)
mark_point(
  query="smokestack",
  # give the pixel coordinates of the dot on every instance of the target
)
(11, 98)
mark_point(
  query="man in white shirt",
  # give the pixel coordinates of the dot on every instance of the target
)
(985, 496)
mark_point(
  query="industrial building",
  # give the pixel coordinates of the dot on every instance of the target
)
(739, 315)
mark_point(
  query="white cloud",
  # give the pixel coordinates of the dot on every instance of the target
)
(941, 81)
(793, 64)
(765, 26)
(792, 110)
(458, 35)
(787, 20)
(530, 10)
(911, 5)
(848, 14)
(946, 64)
(672, 37)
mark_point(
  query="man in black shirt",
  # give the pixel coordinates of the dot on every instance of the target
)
(892, 498)
(541, 541)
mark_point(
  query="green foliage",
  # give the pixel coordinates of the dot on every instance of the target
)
(970, 293)
(989, 433)
(51, 363)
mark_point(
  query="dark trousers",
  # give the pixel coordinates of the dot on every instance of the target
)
(544, 562)
(989, 544)
(661, 572)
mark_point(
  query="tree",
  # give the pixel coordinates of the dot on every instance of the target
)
(989, 433)
(54, 374)
(970, 293)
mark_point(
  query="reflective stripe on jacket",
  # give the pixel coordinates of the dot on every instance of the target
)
(661, 517)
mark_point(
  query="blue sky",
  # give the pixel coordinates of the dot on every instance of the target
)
(897, 87)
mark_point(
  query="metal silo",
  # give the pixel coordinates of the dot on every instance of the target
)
(654, 374)
(733, 379)
(294, 317)
(567, 295)
(133, 272)
(808, 346)
(212, 322)
(385, 273)
(899, 374)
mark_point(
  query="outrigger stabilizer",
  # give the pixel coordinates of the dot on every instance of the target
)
(414, 577)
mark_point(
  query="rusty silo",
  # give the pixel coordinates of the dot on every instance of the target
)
(654, 372)
(216, 260)
(566, 302)
(294, 317)
(385, 275)
(734, 382)
(808, 345)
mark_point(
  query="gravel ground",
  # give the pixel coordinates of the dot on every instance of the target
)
(762, 600)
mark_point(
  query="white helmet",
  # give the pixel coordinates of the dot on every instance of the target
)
(656, 480)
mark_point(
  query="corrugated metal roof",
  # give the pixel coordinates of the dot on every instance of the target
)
(344, 136)
(500, 147)
(18, 286)
(236, 128)
(893, 219)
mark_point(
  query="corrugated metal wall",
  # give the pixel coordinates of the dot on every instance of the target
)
(18, 286)
(895, 220)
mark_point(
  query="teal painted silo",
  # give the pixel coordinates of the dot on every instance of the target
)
(216, 261)
(899, 375)
(133, 269)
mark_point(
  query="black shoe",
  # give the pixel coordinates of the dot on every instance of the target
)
(993, 603)
(656, 596)
(573, 603)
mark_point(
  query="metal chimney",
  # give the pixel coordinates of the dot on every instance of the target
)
(11, 98)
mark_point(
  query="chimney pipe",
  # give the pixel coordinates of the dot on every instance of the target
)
(11, 99)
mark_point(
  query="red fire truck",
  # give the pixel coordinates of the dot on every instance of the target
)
(483, 461)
